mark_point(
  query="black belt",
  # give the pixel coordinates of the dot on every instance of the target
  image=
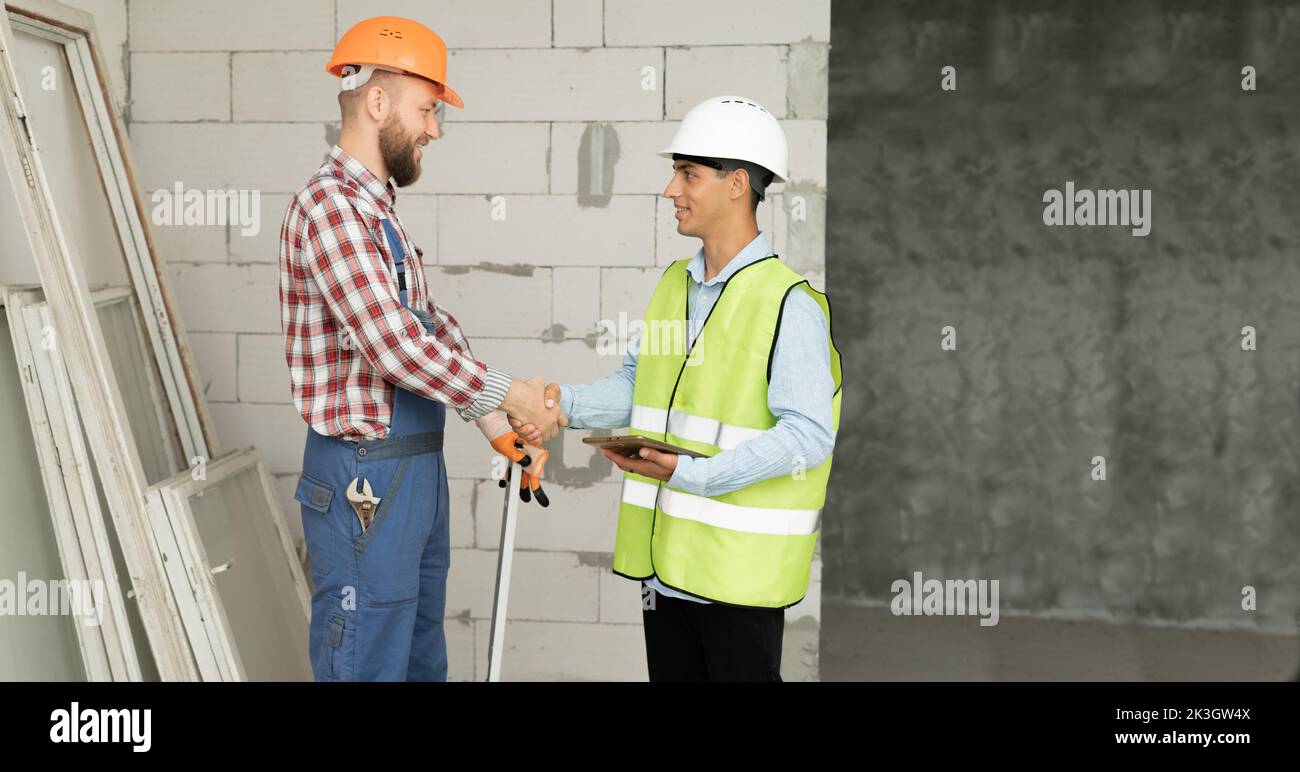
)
(405, 445)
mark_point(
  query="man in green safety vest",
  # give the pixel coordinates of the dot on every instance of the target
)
(734, 360)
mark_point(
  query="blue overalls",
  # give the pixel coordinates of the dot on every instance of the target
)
(379, 598)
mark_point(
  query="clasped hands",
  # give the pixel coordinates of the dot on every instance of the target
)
(534, 410)
(535, 426)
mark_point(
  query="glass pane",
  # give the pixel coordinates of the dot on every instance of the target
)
(32, 648)
(152, 424)
(266, 618)
(69, 158)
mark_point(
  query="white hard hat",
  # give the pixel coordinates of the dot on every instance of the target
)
(732, 127)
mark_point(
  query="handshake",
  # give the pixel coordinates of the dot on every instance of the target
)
(530, 415)
(534, 410)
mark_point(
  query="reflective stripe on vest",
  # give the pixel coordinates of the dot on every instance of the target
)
(691, 427)
(688, 506)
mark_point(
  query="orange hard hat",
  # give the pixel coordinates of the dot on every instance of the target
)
(395, 43)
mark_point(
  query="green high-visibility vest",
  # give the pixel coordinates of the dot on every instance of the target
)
(753, 546)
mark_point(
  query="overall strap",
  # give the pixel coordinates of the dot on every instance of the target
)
(399, 255)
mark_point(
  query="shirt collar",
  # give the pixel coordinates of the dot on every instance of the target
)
(754, 251)
(381, 191)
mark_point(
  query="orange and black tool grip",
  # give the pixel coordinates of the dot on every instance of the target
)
(508, 445)
(530, 487)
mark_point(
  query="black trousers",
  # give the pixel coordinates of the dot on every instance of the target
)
(689, 641)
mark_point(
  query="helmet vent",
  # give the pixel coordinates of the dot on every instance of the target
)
(390, 33)
(742, 102)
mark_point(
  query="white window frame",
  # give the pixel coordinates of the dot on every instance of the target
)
(85, 549)
(81, 340)
(74, 30)
(191, 573)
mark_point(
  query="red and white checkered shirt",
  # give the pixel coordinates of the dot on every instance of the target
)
(348, 338)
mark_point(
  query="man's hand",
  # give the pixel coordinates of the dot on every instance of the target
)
(525, 404)
(530, 433)
(652, 463)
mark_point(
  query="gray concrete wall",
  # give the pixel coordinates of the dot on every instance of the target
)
(1072, 342)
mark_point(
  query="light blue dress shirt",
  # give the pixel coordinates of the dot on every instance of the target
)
(798, 394)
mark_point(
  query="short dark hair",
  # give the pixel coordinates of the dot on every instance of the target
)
(722, 171)
(753, 194)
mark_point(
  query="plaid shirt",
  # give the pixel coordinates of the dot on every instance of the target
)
(348, 338)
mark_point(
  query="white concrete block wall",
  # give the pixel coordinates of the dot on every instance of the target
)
(475, 297)
(526, 229)
(510, 217)
(262, 374)
(464, 23)
(575, 301)
(486, 159)
(700, 72)
(217, 363)
(558, 84)
(234, 25)
(265, 157)
(638, 168)
(181, 86)
(578, 23)
(282, 86)
(717, 22)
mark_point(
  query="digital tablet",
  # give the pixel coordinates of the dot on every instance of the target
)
(629, 445)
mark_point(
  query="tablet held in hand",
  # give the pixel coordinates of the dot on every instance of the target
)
(630, 445)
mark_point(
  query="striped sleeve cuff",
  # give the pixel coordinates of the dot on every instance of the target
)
(495, 386)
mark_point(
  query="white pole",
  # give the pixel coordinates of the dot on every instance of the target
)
(496, 646)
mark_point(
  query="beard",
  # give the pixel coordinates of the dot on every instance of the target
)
(398, 151)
